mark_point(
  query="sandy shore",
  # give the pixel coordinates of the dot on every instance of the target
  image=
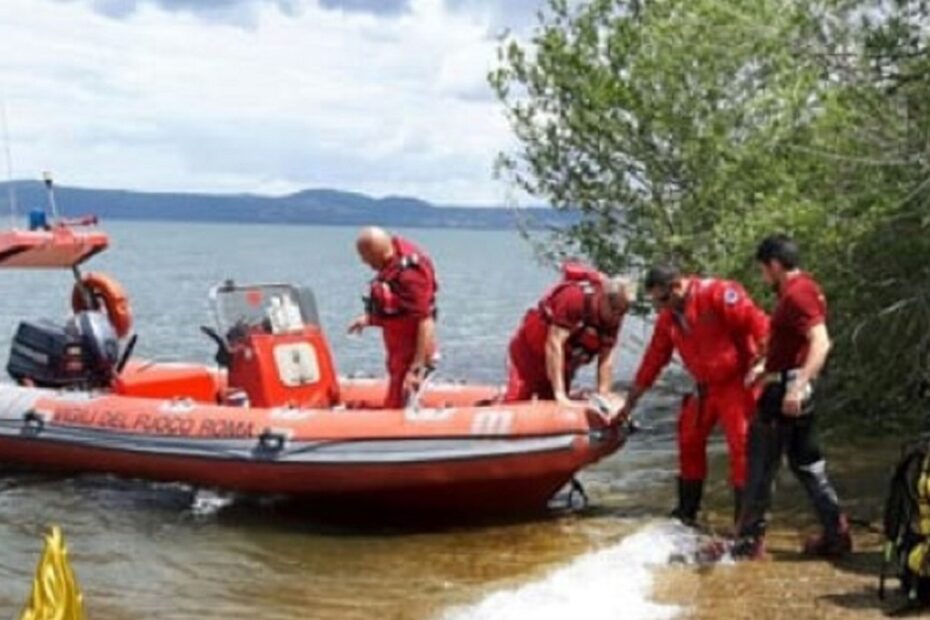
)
(786, 585)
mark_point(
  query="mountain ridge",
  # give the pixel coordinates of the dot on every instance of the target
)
(315, 206)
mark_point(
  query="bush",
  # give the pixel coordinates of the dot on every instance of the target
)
(689, 129)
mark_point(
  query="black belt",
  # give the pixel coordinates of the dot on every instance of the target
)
(782, 377)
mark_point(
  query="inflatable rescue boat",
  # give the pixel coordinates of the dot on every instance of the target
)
(273, 417)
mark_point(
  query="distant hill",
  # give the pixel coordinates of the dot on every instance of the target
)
(313, 206)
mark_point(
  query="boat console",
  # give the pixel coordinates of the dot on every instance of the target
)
(270, 340)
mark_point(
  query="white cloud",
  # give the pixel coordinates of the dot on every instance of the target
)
(258, 96)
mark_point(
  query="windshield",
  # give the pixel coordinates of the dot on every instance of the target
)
(275, 308)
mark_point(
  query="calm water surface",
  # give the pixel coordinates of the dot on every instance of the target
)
(169, 551)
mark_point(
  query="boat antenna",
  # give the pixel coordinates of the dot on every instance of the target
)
(50, 186)
(11, 190)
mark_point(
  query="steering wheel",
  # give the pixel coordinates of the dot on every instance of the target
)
(223, 354)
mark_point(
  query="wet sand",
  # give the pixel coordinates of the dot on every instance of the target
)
(787, 585)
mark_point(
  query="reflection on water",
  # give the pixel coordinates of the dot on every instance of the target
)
(140, 548)
(143, 550)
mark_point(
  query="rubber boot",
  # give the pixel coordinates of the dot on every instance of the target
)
(750, 548)
(690, 493)
(835, 540)
(834, 544)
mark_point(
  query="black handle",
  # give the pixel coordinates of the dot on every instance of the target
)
(33, 423)
(127, 353)
(270, 441)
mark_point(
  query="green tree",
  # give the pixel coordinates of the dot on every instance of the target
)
(688, 129)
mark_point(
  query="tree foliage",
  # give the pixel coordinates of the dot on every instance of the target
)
(689, 129)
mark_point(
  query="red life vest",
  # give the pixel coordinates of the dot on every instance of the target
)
(383, 300)
(590, 335)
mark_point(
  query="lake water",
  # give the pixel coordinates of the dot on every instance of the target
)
(168, 551)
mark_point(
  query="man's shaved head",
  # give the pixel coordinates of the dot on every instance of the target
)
(374, 246)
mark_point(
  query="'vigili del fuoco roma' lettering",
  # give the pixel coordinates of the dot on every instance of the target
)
(86, 417)
(164, 425)
(173, 425)
(77, 417)
(223, 428)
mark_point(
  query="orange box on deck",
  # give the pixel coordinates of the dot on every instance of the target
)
(169, 381)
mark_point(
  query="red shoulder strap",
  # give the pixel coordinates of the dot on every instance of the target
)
(590, 291)
(407, 256)
(573, 271)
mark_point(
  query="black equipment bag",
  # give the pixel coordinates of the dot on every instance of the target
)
(907, 526)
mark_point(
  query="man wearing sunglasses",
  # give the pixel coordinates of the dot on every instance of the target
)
(719, 333)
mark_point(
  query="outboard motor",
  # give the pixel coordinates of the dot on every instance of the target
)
(80, 354)
(101, 344)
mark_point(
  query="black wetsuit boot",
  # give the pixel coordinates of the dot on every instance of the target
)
(690, 493)
(772, 435)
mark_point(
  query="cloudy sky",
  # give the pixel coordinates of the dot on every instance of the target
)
(263, 96)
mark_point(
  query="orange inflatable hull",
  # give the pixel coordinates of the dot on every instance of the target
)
(451, 455)
(59, 247)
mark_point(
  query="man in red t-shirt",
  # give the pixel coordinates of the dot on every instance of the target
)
(718, 332)
(402, 302)
(784, 424)
(577, 321)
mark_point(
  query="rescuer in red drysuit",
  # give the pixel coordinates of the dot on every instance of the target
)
(402, 302)
(719, 334)
(575, 321)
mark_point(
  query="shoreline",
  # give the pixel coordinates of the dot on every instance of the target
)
(786, 584)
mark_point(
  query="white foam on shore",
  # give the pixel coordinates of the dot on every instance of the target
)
(610, 584)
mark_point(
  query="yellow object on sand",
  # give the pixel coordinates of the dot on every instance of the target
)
(55, 592)
(918, 560)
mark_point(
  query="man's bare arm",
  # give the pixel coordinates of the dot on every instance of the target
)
(819, 348)
(605, 371)
(555, 360)
(426, 339)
